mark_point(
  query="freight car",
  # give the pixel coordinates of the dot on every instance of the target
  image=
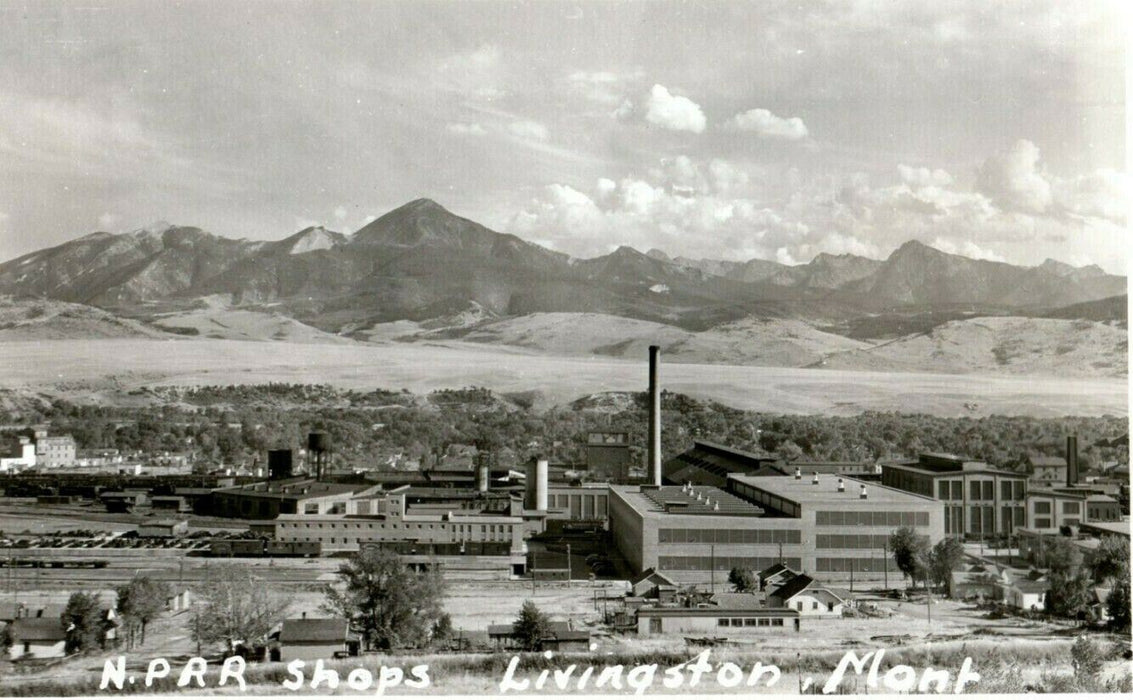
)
(264, 548)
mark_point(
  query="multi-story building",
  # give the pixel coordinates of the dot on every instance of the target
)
(608, 457)
(265, 500)
(979, 501)
(54, 450)
(835, 527)
(1050, 510)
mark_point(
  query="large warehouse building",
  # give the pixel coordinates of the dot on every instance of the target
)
(835, 527)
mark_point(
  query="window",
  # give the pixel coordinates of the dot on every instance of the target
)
(943, 490)
(975, 490)
(814, 605)
(737, 622)
(723, 622)
(777, 622)
(957, 490)
(1042, 523)
(764, 622)
(989, 490)
(750, 622)
(1005, 490)
(1042, 507)
(1070, 508)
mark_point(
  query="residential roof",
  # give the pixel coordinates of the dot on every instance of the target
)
(314, 630)
(793, 587)
(651, 573)
(774, 569)
(38, 629)
(1028, 586)
(738, 601)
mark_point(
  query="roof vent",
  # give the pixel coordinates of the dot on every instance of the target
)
(684, 488)
(841, 485)
(814, 480)
(716, 505)
(864, 494)
(798, 473)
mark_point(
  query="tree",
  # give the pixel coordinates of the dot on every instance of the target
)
(1111, 556)
(139, 602)
(945, 556)
(1057, 554)
(1087, 658)
(910, 552)
(1118, 604)
(234, 606)
(442, 628)
(84, 623)
(6, 640)
(531, 627)
(743, 580)
(1069, 592)
(391, 604)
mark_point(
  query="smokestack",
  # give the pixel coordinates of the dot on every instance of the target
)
(483, 480)
(541, 485)
(1071, 460)
(654, 450)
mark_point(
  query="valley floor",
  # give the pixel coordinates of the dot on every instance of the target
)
(108, 369)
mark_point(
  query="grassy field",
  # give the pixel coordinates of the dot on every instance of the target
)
(106, 370)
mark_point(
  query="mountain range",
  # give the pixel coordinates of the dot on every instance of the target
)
(421, 262)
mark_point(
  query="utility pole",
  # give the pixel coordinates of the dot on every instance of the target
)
(712, 567)
(853, 565)
(886, 567)
(780, 553)
(569, 568)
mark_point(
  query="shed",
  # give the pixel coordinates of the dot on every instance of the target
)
(37, 638)
(317, 638)
(808, 596)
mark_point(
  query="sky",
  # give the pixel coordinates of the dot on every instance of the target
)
(727, 130)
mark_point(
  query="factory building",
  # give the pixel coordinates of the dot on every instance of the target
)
(608, 457)
(54, 450)
(1050, 510)
(266, 499)
(979, 501)
(834, 527)
(709, 464)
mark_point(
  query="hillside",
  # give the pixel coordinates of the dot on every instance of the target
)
(1001, 345)
(41, 319)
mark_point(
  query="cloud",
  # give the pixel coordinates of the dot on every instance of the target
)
(924, 177)
(528, 130)
(767, 125)
(106, 221)
(1105, 194)
(340, 213)
(466, 129)
(673, 111)
(966, 248)
(1013, 181)
(602, 87)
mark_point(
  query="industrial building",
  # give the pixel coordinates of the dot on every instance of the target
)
(267, 499)
(979, 500)
(709, 464)
(1051, 510)
(835, 526)
(608, 457)
(54, 450)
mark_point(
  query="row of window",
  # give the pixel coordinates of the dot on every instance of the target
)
(458, 528)
(724, 563)
(750, 622)
(981, 490)
(877, 518)
(1068, 507)
(681, 535)
(854, 564)
(851, 541)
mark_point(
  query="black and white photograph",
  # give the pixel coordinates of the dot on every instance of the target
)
(564, 347)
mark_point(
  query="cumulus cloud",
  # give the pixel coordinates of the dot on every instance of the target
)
(674, 112)
(528, 130)
(924, 177)
(466, 129)
(1013, 180)
(768, 125)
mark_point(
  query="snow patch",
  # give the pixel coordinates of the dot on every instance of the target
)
(659, 289)
(314, 239)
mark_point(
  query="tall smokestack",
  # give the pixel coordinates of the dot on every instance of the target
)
(483, 480)
(1071, 460)
(655, 414)
(541, 485)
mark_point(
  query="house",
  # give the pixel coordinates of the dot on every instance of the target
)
(647, 583)
(311, 638)
(1027, 593)
(179, 600)
(977, 581)
(561, 637)
(775, 575)
(163, 528)
(809, 597)
(37, 638)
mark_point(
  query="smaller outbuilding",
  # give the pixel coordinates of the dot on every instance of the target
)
(809, 597)
(37, 638)
(317, 638)
(163, 528)
(775, 575)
